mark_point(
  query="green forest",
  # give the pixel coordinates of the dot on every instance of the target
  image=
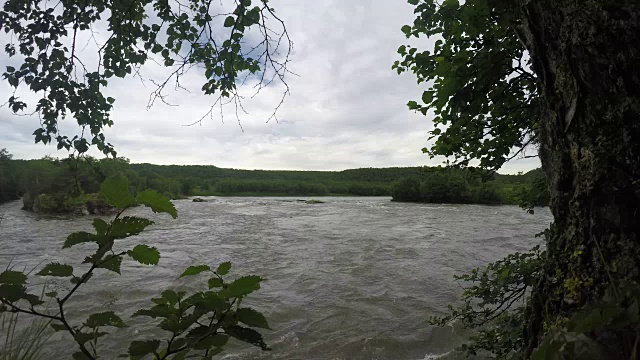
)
(60, 185)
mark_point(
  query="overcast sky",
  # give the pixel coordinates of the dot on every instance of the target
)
(346, 109)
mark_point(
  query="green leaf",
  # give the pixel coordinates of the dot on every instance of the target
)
(171, 297)
(82, 337)
(215, 283)
(141, 348)
(13, 277)
(162, 311)
(242, 286)
(247, 335)
(51, 294)
(101, 226)
(223, 269)
(229, 21)
(128, 226)
(158, 203)
(216, 340)
(252, 318)
(112, 264)
(33, 299)
(108, 318)
(116, 192)
(145, 254)
(209, 301)
(58, 327)
(194, 270)
(12, 292)
(79, 238)
(57, 269)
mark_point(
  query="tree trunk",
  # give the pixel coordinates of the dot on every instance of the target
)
(586, 54)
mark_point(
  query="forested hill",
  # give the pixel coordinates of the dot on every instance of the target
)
(74, 177)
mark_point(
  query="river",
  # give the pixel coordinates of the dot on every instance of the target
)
(353, 278)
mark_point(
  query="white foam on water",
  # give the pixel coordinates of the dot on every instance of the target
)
(435, 356)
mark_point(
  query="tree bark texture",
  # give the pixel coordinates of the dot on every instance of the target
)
(586, 54)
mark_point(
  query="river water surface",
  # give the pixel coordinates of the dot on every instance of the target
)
(353, 278)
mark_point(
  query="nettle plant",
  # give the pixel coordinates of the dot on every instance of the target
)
(198, 324)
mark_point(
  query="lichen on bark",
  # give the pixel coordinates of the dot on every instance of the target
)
(586, 56)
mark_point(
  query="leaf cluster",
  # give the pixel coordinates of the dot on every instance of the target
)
(199, 324)
(493, 304)
(178, 35)
(483, 98)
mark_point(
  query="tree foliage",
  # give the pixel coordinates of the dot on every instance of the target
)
(463, 186)
(205, 34)
(63, 185)
(483, 98)
(198, 324)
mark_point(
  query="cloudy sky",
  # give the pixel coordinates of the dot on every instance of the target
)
(346, 108)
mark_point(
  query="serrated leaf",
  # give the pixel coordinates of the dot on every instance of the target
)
(108, 318)
(56, 269)
(215, 283)
(216, 340)
(82, 337)
(145, 254)
(100, 225)
(128, 226)
(112, 264)
(223, 269)
(141, 348)
(155, 312)
(209, 301)
(116, 192)
(12, 292)
(13, 277)
(247, 335)
(241, 287)
(194, 270)
(157, 202)
(79, 238)
(170, 296)
(33, 299)
(252, 318)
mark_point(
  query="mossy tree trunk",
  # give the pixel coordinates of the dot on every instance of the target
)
(587, 56)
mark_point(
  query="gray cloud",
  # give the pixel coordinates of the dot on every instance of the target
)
(346, 108)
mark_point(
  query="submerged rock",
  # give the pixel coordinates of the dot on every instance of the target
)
(98, 207)
(199, 200)
(314, 202)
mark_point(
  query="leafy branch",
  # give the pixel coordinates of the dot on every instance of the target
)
(490, 303)
(179, 36)
(200, 323)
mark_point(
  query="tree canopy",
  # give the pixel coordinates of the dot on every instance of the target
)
(479, 87)
(228, 42)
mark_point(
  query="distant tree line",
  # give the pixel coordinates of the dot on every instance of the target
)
(71, 180)
(465, 186)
